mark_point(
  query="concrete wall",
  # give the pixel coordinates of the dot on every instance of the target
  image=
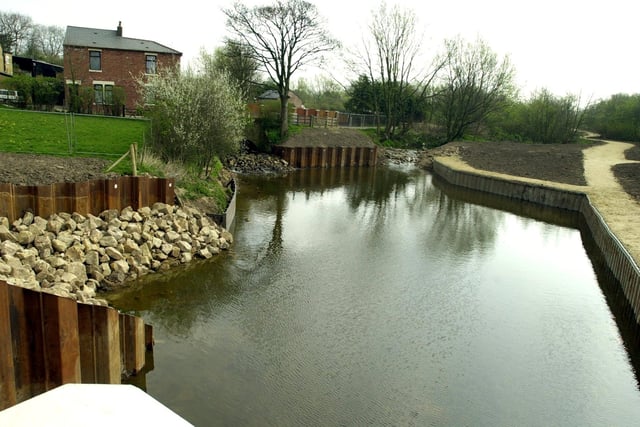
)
(619, 261)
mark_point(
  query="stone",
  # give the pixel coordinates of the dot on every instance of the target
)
(162, 208)
(171, 237)
(130, 246)
(184, 246)
(5, 269)
(27, 218)
(77, 269)
(120, 266)
(114, 253)
(92, 258)
(56, 261)
(126, 214)
(6, 234)
(9, 247)
(108, 242)
(75, 253)
(55, 224)
(204, 253)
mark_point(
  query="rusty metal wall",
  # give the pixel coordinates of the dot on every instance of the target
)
(47, 341)
(85, 197)
(328, 157)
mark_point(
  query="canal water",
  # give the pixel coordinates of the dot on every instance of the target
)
(378, 296)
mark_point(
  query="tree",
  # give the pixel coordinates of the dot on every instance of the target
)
(390, 61)
(474, 84)
(238, 61)
(16, 29)
(283, 37)
(617, 117)
(197, 115)
(322, 93)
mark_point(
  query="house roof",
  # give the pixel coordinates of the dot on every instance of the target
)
(109, 39)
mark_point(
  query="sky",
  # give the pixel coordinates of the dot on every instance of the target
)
(584, 48)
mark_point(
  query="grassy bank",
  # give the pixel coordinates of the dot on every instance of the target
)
(68, 135)
(104, 137)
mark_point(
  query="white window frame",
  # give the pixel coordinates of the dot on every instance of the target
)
(91, 69)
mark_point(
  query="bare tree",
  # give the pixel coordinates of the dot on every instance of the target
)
(474, 84)
(283, 38)
(50, 41)
(16, 29)
(391, 60)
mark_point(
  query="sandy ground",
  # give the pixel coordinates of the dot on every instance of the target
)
(620, 211)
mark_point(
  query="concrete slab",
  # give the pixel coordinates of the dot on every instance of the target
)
(97, 405)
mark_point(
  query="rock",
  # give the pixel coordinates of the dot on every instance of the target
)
(108, 242)
(5, 234)
(120, 266)
(92, 258)
(9, 247)
(114, 253)
(75, 253)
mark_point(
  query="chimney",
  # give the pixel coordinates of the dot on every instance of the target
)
(119, 30)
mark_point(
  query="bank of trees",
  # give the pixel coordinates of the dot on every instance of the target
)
(23, 37)
(616, 118)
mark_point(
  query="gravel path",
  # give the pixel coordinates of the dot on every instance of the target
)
(618, 208)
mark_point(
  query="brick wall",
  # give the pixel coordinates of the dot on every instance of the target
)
(118, 66)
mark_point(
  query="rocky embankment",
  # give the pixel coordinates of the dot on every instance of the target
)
(253, 163)
(73, 255)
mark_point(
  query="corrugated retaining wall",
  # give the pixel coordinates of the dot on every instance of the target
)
(47, 341)
(85, 197)
(618, 259)
(327, 157)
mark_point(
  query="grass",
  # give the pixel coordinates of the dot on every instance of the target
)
(59, 134)
(66, 135)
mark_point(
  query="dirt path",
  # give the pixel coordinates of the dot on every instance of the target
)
(620, 211)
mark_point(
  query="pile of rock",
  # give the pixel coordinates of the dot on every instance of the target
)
(252, 163)
(73, 255)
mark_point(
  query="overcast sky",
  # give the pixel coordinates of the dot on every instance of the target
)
(586, 48)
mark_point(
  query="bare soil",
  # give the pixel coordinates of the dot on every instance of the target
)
(33, 169)
(561, 163)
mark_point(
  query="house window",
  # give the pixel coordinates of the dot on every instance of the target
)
(103, 93)
(151, 62)
(95, 60)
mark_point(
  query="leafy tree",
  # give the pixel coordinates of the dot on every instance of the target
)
(283, 37)
(474, 84)
(198, 115)
(617, 117)
(321, 93)
(237, 60)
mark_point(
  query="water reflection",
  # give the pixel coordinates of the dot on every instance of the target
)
(379, 296)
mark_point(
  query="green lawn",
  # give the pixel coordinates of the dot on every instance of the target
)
(66, 135)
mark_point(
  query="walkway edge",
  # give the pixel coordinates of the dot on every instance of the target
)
(623, 266)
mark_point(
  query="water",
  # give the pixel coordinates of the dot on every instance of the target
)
(378, 297)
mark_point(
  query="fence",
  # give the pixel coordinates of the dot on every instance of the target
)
(85, 197)
(47, 341)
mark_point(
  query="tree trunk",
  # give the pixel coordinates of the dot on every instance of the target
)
(284, 115)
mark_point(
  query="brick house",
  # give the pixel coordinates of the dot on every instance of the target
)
(103, 61)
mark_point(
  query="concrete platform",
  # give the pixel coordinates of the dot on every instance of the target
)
(96, 405)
